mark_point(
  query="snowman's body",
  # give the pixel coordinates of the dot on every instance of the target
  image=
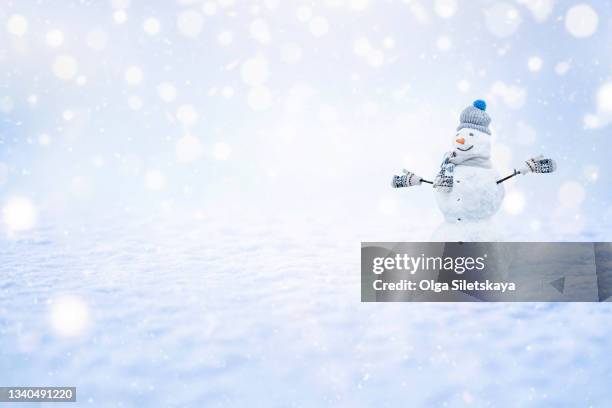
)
(475, 195)
(469, 208)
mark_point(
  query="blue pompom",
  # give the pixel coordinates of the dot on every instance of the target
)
(480, 104)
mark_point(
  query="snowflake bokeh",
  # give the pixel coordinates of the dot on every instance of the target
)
(314, 102)
(147, 148)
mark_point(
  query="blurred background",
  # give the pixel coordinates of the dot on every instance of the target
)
(303, 108)
(184, 186)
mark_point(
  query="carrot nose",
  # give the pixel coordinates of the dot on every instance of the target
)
(460, 140)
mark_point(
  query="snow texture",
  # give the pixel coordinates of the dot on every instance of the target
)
(153, 313)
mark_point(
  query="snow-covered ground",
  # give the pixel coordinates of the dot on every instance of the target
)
(160, 313)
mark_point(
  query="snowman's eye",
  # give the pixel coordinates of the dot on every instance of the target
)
(471, 134)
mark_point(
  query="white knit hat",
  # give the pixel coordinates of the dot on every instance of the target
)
(475, 117)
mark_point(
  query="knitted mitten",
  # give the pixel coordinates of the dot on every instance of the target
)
(538, 164)
(409, 179)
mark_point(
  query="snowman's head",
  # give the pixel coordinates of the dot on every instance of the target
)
(473, 136)
(472, 142)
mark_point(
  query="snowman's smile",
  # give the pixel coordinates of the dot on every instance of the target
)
(465, 149)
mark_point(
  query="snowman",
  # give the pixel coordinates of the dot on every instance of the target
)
(468, 190)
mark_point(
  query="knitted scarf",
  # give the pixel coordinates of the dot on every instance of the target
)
(444, 180)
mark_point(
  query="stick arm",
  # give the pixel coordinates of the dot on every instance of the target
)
(514, 173)
(538, 165)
